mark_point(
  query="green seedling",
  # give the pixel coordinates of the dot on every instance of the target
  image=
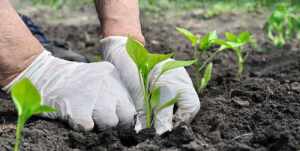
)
(27, 100)
(210, 45)
(236, 43)
(191, 37)
(282, 25)
(218, 9)
(199, 43)
(208, 41)
(145, 63)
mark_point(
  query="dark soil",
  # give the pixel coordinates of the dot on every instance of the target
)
(260, 112)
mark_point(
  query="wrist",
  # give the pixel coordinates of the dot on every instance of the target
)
(13, 72)
(113, 27)
(119, 18)
(33, 64)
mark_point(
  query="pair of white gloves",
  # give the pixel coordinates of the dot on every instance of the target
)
(107, 94)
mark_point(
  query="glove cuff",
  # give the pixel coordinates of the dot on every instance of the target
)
(111, 44)
(28, 72)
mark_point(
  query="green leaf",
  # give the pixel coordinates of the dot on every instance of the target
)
(244, 37)
(152, 2)
(45, 109)
(207, 76)
(154, 59)
(204, 43)
(144, 60)
(193, 39)
(136, 51)
(27, 100)
(176, 64)
(26, 97)
(213, 36)
(281, 26)
(155, 98)
(230, 37)
(207, 40)
(223, 44)
(168, 104)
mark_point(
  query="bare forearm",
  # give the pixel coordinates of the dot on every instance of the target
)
(119, 18)
(18, 47)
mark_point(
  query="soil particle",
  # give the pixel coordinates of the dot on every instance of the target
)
(240, 102)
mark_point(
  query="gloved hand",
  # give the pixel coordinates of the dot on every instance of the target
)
(84, 94)
(171, 83)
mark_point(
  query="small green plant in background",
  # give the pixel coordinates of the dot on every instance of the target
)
(236, 43)
(219, 8)
(56, 4)
(145, 63)
(27, 100)
(210, 45)
(283, 25)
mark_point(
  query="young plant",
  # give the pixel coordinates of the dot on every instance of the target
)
(200, 44)
(282, 25)
(27, 100)
(210, 46)
(236, 43)
(145, 63)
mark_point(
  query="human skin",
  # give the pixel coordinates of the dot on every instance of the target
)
(19, 48)
(120, 18)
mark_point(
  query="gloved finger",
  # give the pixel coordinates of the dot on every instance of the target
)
(112, 111)
(71, 108)
(114, 106)
(188, 105)
(80, 101)
(70, 111)
(126, 113)
(177, 81)
(125, 109)
(114, 51)
(188, 101)
(164, 117)
(78, 119)
(104, 114)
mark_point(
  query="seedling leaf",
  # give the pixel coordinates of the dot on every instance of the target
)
(188, 35)
(281, 26)
(168, 104)
(44, 109)
(244, 37)
(144, 60)
(27, 100)
(26, 97)
(207, 41)
(176, 64)
(230, 37)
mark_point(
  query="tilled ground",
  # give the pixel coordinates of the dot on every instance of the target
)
(259, 112)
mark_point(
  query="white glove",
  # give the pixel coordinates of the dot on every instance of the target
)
(84, 94)
(173, 82)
